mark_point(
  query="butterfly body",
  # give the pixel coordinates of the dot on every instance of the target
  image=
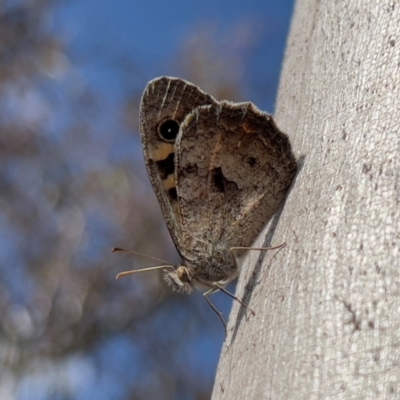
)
(220, 171)
(204, 269)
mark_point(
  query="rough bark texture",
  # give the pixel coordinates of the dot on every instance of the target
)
(327, 322)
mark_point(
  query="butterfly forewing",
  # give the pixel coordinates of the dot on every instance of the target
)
(165, 104)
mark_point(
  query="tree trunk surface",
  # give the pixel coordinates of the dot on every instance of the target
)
(327, 323)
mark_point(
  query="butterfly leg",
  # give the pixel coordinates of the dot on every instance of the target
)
(218, 286)
(281, 246)
(219, 313)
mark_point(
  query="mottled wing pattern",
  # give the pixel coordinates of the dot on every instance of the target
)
(165, 104)
(231, 182)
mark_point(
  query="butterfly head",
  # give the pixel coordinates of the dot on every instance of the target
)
(180, 279)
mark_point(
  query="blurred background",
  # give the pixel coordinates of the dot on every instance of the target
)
(73, 185)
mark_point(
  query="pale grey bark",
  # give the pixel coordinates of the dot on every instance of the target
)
(327, 322)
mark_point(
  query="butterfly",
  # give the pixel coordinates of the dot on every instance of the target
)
(220, 170)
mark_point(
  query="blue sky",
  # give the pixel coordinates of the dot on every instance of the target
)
(150, 33)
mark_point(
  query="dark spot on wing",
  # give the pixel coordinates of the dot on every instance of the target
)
(219, 183)
(172, 193)
(168, 130)
(251, 161)
(166, 167)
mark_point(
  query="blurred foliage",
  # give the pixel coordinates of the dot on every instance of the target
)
(72, 186)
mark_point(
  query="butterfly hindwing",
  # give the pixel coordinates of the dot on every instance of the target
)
(231, 182)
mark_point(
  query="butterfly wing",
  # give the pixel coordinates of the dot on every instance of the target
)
(166, 102)
(232, 181)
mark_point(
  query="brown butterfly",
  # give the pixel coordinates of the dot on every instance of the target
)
(220, 170)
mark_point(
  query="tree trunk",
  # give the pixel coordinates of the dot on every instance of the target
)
(327, 322)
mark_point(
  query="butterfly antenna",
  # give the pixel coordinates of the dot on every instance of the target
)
(115, 249)
(135, 271)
